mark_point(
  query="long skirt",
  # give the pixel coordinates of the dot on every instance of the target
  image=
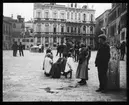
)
(55, 71)
(82, 71)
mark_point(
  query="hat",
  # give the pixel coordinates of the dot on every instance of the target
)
(103, 36)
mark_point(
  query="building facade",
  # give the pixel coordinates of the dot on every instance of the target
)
(117, 23)
(7, 34)
(101, 25)
(54, 23)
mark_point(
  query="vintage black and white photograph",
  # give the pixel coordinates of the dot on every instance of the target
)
(62, 52)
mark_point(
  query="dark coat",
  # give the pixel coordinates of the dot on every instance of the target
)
(15, 46)
(55, 71)
(20, 47)
(103, 56)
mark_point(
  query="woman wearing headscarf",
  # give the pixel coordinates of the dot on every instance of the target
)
(47, 64)
(82, 69)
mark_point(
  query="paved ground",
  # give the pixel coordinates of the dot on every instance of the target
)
(24, 80)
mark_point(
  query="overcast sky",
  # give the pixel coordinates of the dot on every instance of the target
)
(26, 9)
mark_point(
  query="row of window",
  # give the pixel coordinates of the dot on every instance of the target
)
(6, 29)
(73, 29)
(26, 40)
(62, 16)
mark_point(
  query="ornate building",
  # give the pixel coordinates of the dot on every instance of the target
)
(117, 23)
(54, 23)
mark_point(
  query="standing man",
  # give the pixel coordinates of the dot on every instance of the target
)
(15, 48)
(21, 49)
(42, 48)
(101, 62)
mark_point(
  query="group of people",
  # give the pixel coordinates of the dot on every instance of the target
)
(16, 47)
(65, 64)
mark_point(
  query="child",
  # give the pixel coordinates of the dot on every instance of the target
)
(47, 64)
(69, 66)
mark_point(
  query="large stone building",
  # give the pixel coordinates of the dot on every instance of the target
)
(7, 33)
(101, 25)
(117, 23)
(54, 23)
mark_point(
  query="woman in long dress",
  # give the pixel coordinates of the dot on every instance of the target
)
(82, 69)
(47, 64)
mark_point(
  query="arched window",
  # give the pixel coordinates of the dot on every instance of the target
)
(62, 29)
(71, 29)
(79, 17)
(54, 29)
(91, 29)
(75, 16)
(78, 29)
(84, 28)
(68, 15)
(47, 27)
(72, 5)
(75, 30)
(71, 15)
(84, 17)
(91, 17)
(67, 29)
(46, 14)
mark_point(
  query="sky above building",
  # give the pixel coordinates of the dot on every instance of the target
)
(26, 9)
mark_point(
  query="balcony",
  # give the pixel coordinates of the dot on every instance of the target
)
(54, 19)
(46, 18)
(62, 20)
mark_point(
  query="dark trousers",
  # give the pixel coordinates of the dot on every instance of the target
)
(60, 54)
(14, 52)
(102, 75)
(21, 52)
(57, 53)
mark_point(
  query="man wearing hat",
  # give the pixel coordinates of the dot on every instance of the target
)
(101, 62)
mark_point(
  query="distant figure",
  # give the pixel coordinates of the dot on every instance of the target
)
(101, 62)
(21, 49)
(122, 50)
(15, 48)
(57, 49)
(76, 49)
(47, 64)
(42, 48)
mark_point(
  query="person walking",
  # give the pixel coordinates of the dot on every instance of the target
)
(82, 70)
(21, 49)
(15, 48)
(122, 50)
(101, 62)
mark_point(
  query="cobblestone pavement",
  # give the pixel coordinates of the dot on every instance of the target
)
(24, 80)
